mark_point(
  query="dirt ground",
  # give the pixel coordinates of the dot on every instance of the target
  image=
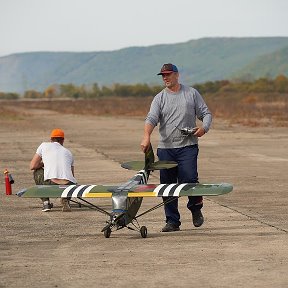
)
(243, 242)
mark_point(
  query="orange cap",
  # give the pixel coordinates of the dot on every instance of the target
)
(57, 133)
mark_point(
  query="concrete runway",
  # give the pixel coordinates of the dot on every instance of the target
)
(243, 242)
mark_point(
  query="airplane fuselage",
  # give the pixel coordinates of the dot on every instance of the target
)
(124, 209)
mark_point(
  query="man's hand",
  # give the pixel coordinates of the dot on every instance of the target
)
(36, 162)
(145, 144)
(199, 132)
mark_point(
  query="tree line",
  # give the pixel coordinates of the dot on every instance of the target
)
(261, 85)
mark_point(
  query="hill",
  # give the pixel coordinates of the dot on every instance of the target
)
(206, 59)
(266, 66)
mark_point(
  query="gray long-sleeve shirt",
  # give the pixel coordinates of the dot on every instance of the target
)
(180, 110)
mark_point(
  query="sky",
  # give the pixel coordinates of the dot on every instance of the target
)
(106, 25)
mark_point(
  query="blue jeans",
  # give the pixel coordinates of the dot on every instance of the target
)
(185, 172)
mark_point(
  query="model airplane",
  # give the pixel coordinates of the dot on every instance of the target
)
(127, 198)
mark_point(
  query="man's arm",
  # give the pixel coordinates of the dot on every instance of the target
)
(203, 114)
(36, 162)
(148, 129)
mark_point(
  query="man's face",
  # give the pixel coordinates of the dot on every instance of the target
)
(170, 79)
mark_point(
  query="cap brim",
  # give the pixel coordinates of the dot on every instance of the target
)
(165, 72)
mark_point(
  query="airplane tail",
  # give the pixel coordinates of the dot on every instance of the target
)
(149, 158)
(149, 164)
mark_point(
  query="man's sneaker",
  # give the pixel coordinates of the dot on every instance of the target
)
(66, 205)
(197, 218)
(47, 206)
(169, 227)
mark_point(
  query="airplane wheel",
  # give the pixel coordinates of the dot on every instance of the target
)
(107, 232)
(143, 231)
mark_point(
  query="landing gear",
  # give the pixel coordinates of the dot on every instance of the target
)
(107, 232)
(143, 231)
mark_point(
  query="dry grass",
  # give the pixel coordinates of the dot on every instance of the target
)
(248, 111)
(251, 110)
(8, 111)
(104, 106)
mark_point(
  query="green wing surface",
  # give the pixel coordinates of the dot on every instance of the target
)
(57, 191)
(185, 189)
(133, 165)
(149, 190)
(138, 165)
(162, 165)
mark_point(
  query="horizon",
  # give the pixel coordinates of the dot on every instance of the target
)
(100, 51)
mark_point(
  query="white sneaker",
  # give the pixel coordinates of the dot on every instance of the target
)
(47, 206)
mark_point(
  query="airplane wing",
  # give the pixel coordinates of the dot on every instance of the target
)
(57, 191)
(102, 191)
(184, 189)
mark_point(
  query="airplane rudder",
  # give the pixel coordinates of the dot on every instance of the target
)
(149, 157)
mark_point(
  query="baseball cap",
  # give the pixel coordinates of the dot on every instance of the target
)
(57, 133)
(168, 68)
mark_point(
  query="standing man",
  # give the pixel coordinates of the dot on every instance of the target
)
(176, 107)
(58, 164)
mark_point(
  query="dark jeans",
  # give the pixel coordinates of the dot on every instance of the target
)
(185, 172)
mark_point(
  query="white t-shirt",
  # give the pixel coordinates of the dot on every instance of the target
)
(57, 161)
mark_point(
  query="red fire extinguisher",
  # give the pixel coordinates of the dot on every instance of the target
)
(8, 181)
